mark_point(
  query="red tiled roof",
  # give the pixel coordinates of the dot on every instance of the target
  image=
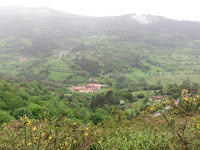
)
(157, 97)
(88, 87)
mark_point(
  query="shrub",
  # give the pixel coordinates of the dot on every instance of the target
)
(36, 110)
(5, 117)
(35, 99)
(21, 112)
(23, 95)
(141, 95)
(102, 111)
(96, 118)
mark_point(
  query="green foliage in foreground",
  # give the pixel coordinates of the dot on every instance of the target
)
(177, 128)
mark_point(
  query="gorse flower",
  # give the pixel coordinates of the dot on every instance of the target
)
(86, 134)
(34, 128)
(28, 123)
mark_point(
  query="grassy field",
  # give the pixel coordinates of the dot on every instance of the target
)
(173, 79)
(137, 59)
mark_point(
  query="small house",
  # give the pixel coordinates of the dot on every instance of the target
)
(158, 97)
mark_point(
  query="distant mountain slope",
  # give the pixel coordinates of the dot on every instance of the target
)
(95, 46)
(23, 21)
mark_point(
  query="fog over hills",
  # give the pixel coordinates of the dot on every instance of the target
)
(22, 20)
(128, 43)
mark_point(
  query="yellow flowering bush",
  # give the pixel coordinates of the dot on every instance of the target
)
(176, 128)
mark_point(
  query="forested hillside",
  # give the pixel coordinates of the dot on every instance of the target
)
(95, 47)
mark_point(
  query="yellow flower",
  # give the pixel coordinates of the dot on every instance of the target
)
(34, 128)
(29, 144)
(28, 123)
(86, 129)
(74, 142)
(35, 138)
(88, 124)
(99, 142)
(197, 95)
(45, 113)
(50, 138)
(151, 109)
(74, 123)
(20, 118)
(66, 143)
(86, 134)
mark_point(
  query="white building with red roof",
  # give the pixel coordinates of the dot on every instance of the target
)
(89, 88)
(22, 59)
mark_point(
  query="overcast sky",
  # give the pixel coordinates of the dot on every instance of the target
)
(175, 9)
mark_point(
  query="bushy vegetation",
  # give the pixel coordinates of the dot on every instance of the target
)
(176, 128)
(33, 99)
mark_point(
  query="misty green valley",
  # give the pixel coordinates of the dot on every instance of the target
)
(77, 82)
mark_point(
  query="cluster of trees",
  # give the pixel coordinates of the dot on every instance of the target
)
(31, 99)
(89, 65)
(36, 101)
(105, 100)
(175, 90)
